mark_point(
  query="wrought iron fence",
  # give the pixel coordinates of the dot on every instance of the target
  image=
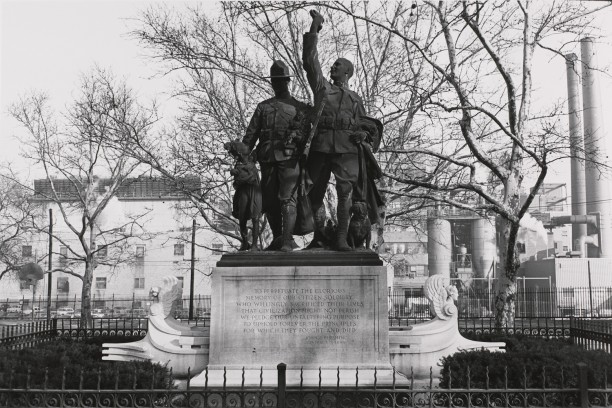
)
(103, 327)
(28, 334)
(281, 395)
(592, 334)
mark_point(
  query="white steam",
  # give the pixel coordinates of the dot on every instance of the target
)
(532, 229)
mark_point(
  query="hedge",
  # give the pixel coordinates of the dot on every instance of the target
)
(66, 360)
(527, 363)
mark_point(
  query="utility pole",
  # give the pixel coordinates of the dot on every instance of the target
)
(191, 283)
(50, 266)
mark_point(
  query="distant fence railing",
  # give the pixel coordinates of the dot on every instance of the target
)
(109, 306)
(404, 303)
(592, 334)
(577, 394)
(529, 303)
(30, 334)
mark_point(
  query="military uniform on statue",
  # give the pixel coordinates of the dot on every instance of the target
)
(334, 146)
(276, 125)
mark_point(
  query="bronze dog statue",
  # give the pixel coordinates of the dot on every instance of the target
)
(360, 227)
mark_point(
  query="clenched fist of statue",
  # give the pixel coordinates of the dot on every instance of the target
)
(358, 137)
(317, 21)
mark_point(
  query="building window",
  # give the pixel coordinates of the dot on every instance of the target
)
(101, 283)
(26, 251)
(63, 286)
(179, 249)
(399, 269)
(416, 248)
(217, 247)
(565, 248)
(24, 284)
(181, 280)
(63, 255)
(139, 283)
(417, 270)
(521, 247)
(140, 250)
(102, 251)
(98, 304)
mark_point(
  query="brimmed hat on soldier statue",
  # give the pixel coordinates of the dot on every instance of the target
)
(279, 70)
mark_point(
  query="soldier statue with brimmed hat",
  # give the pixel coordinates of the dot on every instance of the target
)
(276, 132)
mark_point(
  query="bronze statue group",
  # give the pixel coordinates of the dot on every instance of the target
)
(298, 147)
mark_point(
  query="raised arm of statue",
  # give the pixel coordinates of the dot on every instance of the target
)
(310, 55)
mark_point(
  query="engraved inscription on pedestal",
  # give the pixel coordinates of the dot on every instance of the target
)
(299, 315)
(302, 317)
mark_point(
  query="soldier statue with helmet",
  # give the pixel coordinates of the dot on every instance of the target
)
(276, 127)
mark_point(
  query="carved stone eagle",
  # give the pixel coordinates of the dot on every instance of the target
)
(165, 296)
(442, 296)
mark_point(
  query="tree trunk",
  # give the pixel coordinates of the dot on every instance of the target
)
(86, 293)
(506, 274)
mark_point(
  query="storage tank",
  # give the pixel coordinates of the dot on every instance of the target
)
(484, 248)
(439, 246)
(598, 180)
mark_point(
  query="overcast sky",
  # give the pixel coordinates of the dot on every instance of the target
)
(46, 45)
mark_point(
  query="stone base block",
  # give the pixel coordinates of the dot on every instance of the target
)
(306, 316)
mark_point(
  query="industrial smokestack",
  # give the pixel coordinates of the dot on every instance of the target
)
(576, 146)
(439, 247)
(598, 195)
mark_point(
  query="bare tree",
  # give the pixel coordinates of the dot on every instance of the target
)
(17, 219)
(83, 172)
(485, 142)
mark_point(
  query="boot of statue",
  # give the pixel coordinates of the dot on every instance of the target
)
(344, 205)
(289, 214)
(256, 238)
(276, 226)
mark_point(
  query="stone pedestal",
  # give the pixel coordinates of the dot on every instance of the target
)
(319, 316)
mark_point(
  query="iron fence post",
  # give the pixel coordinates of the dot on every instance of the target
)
(282, 383)
(583, 385)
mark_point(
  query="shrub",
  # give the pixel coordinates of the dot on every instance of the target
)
(528, 362)
(76, 364)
